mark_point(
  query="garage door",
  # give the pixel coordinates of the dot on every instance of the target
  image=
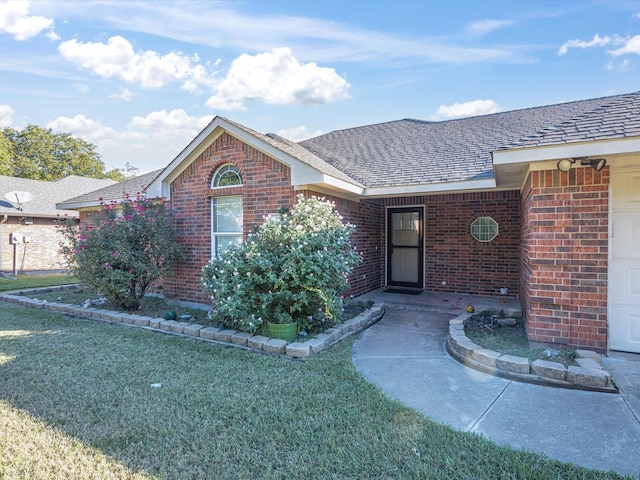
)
(624, 266)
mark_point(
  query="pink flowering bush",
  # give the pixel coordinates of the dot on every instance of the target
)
(127, 247)
(294, 268)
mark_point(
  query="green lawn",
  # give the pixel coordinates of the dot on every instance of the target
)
(80, 399)
(34, 281)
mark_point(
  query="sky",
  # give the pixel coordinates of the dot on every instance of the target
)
(140, 79)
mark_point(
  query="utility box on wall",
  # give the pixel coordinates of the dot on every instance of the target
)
(15, 238)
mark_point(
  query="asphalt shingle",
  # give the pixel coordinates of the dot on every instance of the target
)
(45, 194)
(411, 152)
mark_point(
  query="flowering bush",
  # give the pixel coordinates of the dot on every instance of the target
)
(294, 268)
(129, 246)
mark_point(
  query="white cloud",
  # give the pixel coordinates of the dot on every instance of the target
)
(467, 109)
(15, 20)
(117, 59)
(81, 87)
(298, 134)
(631, 45)
(596, 41)
(170, 121)
(148, 142)
(82, 127)
(123, 94)
(6, 116)
(277, 77)
(482, 27)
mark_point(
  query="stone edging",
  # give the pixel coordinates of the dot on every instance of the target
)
(297, 349)
(589, 375)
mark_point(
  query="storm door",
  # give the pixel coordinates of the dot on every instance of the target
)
(405, 247)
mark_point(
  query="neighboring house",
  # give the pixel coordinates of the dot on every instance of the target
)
(29, 239)
(544, 202)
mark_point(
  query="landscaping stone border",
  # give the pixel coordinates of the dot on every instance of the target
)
(297, 349)
(588, 375)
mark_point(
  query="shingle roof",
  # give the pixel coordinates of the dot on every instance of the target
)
(117, 191)
(297, 151)
(45, 194)
(411, 152)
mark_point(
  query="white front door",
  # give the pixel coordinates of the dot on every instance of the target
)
(624, 265)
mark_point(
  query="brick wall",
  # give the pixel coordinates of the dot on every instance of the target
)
(454, 257)
(368, 240)
(41, 254)
(564, 257)
(266, 188)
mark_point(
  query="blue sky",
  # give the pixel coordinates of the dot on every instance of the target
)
(139, 79)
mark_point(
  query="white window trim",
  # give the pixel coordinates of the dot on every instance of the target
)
(226, 166)
(215, 234)
(483, 240)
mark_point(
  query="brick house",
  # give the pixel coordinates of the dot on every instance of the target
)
(543, 202)
(29, 239)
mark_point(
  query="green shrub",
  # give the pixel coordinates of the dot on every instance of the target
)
(128, 246)
(294, 268)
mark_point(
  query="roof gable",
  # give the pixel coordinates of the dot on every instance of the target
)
(306, 167)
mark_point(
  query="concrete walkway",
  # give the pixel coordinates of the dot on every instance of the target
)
(404, 355)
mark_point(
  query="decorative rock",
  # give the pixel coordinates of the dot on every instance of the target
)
(316, 344)
(514, 364)
(193, 330)
(507, 322)
(240, 338)
(155, 322)
(166, 324)
(589, 363)
(275, 345)
(209, 333)
(588, 354)
(178, 327)
(334, 333)
(223, 335)
(485, 356)
(298, 349)
(587, 377)
(141, 321)
(257, 342)
(547, 369)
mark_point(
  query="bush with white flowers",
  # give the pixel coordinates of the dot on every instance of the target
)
(294, 268)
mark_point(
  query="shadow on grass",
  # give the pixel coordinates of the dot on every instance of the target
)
(141, 403)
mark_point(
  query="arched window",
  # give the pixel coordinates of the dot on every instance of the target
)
(226, 211)
(226, 176)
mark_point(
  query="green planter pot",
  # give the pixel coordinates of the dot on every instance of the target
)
(284, 331)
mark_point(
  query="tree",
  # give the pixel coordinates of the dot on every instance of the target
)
(129, 246)
(39, 154)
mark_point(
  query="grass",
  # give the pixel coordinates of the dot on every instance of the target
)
(34, 281)
(77, 400)
(150, 306)
(510, 340)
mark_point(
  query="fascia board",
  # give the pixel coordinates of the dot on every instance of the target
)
(301, 173)
(569, 150)
(425, 189)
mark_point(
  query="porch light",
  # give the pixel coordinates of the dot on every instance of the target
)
(597, 164)
(565, 164)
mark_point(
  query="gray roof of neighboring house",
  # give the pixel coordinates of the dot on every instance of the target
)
(45, 195)
(410, 152)
(117, 191)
